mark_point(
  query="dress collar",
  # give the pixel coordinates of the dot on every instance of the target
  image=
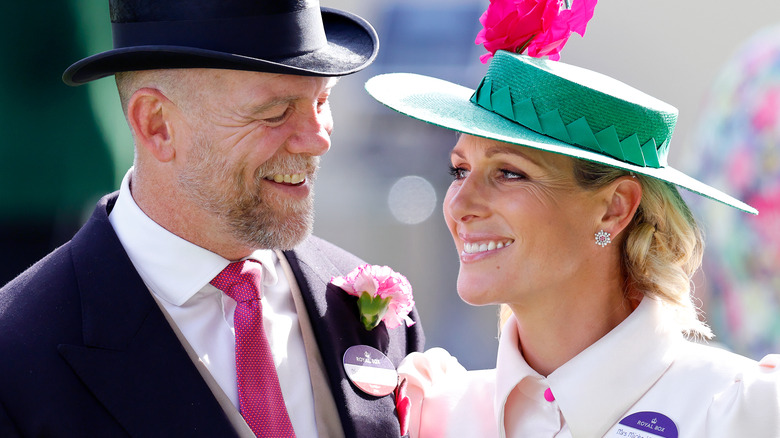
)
(596, 387)
(173, 268)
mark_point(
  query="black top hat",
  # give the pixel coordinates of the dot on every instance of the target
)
(276, 36)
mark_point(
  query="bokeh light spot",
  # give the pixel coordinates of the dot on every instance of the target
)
(412, 199)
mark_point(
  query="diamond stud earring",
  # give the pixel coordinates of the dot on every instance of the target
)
(603, 238)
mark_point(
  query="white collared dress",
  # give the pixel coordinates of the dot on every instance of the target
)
(641, 380)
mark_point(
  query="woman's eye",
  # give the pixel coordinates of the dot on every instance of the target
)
(508, 174)
(457, 172)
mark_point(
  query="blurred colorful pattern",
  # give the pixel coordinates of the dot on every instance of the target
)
(736, 147)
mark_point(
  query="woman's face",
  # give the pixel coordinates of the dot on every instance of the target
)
(522, 226)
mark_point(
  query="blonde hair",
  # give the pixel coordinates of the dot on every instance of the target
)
(662, 248)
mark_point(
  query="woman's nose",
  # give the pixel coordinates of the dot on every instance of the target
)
(465, 200)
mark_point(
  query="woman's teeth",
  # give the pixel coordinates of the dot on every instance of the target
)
(295, 178)
(473, 248)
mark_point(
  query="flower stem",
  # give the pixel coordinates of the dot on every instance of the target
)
(522, 48)
(372, 309)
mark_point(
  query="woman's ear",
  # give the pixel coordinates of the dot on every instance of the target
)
(149, 116)
(623, 197)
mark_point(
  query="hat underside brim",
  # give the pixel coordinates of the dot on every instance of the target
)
(448, 105)
(352, 45)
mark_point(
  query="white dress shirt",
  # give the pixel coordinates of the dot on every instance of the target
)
(643, 368)
(178, 273)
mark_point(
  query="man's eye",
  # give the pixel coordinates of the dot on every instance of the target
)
(277, 119)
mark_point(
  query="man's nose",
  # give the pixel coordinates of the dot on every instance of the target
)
(312, 132)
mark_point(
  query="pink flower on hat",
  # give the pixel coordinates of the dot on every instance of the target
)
(383, 295)
(540, 27)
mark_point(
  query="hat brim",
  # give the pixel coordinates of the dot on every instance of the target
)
(352, 45)
(448, 105)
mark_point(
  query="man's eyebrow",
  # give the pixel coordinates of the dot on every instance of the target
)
(256, 109)
(262, 107)
(287, 99)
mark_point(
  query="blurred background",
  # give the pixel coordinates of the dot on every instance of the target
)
(381, 186)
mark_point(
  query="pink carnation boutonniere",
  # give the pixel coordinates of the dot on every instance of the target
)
(542, 27)
(383, 295)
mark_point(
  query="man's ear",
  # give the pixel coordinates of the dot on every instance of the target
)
(623, 196)
(149, 115)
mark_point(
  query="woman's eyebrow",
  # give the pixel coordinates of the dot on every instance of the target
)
(509, 150)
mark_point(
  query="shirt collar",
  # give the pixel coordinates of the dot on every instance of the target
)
(173, 268)
(601, 383)
(511, 368)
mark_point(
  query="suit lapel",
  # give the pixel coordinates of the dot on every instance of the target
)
(131, 359)
(334, 317)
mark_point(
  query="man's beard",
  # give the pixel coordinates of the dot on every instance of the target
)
(258, 220)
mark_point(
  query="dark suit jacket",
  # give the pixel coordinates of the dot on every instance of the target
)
(86, 352)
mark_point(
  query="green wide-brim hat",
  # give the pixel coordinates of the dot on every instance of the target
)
(554, 107)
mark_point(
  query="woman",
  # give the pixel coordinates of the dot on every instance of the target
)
(564, 210)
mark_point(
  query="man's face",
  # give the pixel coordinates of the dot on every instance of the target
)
(253, 152)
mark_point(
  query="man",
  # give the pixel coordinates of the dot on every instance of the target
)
(130, 328)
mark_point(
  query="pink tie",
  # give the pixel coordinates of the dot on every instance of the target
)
(259, 395)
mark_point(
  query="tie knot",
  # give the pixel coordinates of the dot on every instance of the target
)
(240, 280)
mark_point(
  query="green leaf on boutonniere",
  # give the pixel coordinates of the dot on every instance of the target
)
(372, 309)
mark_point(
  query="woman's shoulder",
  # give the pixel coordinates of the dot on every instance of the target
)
(743, 394)
(723, 369)
(713, 358)
(716, 362)
(750, 405)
